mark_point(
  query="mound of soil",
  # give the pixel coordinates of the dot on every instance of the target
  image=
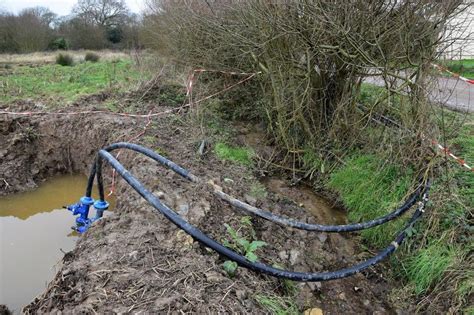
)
(136, 260)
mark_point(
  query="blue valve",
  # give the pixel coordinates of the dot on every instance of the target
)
(82, 209)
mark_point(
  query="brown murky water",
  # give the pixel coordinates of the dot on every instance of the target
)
(305, 197)
(34, 233)
(323, 212)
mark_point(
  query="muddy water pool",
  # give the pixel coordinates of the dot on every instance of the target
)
(305, 197)
(34, 234)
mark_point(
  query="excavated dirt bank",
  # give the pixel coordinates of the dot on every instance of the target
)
(135, 260)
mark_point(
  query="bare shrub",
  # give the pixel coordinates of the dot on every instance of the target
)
(92, 57)
(65, 60)
(314, 56)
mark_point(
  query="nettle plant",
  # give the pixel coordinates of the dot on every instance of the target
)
(246, 245)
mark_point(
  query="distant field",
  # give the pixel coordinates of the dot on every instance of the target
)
(27, 79)
(49, 57)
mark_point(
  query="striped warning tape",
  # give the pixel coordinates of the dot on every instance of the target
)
(451, 155)
(456, 75)
(192, 78)
(382, 119)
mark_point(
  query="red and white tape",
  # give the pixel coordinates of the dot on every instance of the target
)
(451, 155)
(193, 75)
(456, 75)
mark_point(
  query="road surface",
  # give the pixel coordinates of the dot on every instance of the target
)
(452, 92)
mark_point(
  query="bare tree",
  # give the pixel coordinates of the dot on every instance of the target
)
(45, 15)
(106, 13)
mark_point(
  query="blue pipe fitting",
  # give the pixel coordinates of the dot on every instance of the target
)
(100, 206)
(81, 209)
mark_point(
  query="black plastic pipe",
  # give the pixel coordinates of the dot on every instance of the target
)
(241, 260)
(319, 227)
(254, 210)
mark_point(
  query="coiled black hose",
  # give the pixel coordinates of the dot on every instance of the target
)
(254, 210)
(241, 260)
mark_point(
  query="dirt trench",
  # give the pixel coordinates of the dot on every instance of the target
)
(135, 260)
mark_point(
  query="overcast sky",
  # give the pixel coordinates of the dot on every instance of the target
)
(61, 7)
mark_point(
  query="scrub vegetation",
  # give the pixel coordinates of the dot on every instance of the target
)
(311, 97)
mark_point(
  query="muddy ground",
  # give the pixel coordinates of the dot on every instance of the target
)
(137, 261)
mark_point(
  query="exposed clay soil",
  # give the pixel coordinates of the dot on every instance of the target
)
(136, 260)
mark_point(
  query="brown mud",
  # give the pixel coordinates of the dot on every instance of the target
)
(136, 260)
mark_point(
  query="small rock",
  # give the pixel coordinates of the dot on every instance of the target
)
(160, 195)
(366, 302)
(294, 256)
(198, 211)
(213, 276)
(322, 237)
(250, 200)
(161, 303)
(313, 311)
(184, 238)
(133, 255)
(342, 296)
(183, 209)
(315, 286)
(241, 294)
(283, 255)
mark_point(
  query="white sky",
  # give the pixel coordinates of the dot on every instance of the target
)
(61, 7)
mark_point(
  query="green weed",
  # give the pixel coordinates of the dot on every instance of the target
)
(245, 244)
(313, 163)
(242, 244)
(230, 267)
(427, 267)
(235, 154)
(258, 190)
(277, 305)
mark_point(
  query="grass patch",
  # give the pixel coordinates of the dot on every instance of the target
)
(258, 190)
(67, 83)
(464, 67)
(429, 264)
(239, 155)
(277, 305)
(370, 189)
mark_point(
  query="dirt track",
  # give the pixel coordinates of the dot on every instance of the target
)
(135, 260)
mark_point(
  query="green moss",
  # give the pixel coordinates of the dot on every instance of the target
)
(235, 154)
(370, 189)
(427, 267)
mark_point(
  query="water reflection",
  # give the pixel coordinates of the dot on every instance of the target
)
(34, 234)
